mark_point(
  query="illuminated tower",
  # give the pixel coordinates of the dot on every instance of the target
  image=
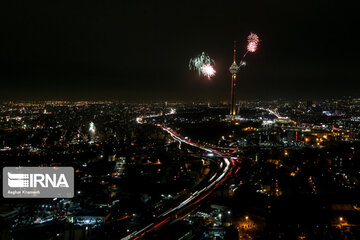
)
(92, 127)
(234, 69)
(92, 131)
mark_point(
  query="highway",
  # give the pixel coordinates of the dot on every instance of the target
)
(224, 170)
(272, 112)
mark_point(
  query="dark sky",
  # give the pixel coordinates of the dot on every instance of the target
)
(139, 50)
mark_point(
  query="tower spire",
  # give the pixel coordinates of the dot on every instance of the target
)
(234, 51)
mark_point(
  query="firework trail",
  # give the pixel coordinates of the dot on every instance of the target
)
(199, 62)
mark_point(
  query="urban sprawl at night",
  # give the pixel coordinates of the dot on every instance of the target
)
(179, 120)
(284, 169)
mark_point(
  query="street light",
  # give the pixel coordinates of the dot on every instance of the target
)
(341, 224)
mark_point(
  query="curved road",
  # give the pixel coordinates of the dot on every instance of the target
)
(225, 168)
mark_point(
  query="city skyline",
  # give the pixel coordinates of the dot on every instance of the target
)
(279, 169)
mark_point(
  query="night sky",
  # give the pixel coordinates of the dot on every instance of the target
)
(140, 50)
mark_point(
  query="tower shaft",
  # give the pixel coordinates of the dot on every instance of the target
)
(233, 103)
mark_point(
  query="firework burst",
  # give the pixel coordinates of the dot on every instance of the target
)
(197, 63)
(253, 42)
(208, 71)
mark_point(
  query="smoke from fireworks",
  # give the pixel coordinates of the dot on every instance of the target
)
(208, 71)
(203, 64)
(253, 42)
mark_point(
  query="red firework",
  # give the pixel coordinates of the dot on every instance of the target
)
(253, 42)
